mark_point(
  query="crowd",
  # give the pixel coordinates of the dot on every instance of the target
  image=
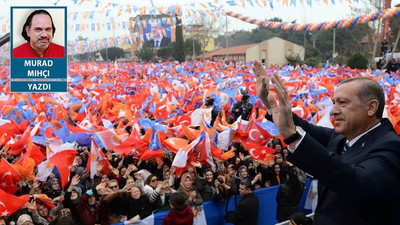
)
(135, 189)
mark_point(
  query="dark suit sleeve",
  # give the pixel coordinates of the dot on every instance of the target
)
(322, 134)
(243, 210)
(376, 176)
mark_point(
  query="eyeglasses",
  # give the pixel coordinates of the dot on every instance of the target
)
(153, 180)
(114, 186)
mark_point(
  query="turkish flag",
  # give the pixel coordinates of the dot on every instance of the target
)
(63, 160)
(257, 135)
(251, 87)
(8, 177)
(258, 152)
(10, 203)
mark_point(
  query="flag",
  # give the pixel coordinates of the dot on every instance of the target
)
(155, 148)
(63, 160)
(174, 144)
(96, 156)
(45, 200)
(186, 154)
(257, 135)
(132, 145)
(44, 170)
(33, 152)
(312, 196)
(10, 203)
(8, 177)
(224, 139)
(199, 115)
(205, 156)
(17, 147)
(190, 133)
(258, 152)
(109, 138)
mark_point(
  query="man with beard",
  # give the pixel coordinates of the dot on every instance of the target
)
(38, 31)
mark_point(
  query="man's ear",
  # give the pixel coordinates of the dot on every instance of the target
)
(372, 105)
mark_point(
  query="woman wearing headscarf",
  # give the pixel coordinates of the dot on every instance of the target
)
(53, 188)
(72, 196)
(193, 197)
(84, 181)
(205, 184)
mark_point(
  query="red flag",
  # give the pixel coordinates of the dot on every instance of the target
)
(258, 152)
(8, 177)
(251, 87)
(32, 152)
(10, 203)
(17, 147)
(63, 160)
(133, 144)
(257, 135)
(75, 129)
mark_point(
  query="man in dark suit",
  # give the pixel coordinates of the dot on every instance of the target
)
(246, 212)
(159, 40)
(357, 163)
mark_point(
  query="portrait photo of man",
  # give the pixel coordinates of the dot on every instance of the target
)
(158, 39)
(38, 31)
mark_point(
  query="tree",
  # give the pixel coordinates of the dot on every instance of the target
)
(180, 45)
(311, 52)
(209, 30)
(374, 28)
(394, 34)
(167, 52)
(189, 47)
(84, 57)
(146, 53)
(293, 59)
(357, 61)
(112, 53)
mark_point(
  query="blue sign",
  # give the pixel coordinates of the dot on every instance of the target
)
(39, 86)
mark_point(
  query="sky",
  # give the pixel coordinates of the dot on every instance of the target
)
(302, 12)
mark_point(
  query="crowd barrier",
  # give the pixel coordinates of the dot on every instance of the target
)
(215, 211)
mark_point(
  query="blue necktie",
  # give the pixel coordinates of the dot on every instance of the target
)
(346, 147)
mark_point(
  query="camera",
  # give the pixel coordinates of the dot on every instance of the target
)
(220, 180)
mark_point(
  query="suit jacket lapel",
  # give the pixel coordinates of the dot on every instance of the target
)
(365, 141)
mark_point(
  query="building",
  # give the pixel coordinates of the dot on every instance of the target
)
(271, 51)
(196, 32)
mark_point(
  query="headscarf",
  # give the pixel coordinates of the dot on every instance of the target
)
(182, 184)
(78, 191)
(50, 182)
(239, 172)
